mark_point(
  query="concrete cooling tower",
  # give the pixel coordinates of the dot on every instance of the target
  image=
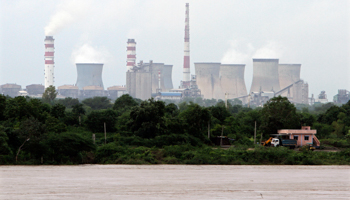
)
(232, 80)
(89, 74)
(155, 68)
(207, 75)
(288, 74)
(168, 82)
(265, 75)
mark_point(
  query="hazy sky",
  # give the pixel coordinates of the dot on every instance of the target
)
(313, 33)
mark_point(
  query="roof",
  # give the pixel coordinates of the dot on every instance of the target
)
(116, 87)
(92, 87)
(68, 87)
(171, 94)
(10, 85)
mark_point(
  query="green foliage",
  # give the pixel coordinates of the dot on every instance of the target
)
(68, 102)
(96, 119)
(278, 113)
(2, 107)
(49, 95)
(147, 120)
(55, 125)
(124, 103)
(58, 111)
(97, 103)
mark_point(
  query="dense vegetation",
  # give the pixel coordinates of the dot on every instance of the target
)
(50, 131)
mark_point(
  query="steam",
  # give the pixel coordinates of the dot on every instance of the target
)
(67, 13)
(237, 53)
(270, 50)
(243, 53)
(88, 54)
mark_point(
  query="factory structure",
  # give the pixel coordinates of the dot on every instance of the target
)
(211, 80)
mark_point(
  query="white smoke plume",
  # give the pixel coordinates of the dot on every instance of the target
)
(88, 54)
(237, 53)
(240, 53)
(67, 13)
(270, 50)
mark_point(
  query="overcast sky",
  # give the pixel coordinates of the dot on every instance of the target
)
(313, 33)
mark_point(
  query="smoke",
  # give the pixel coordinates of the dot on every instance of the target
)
(242, 53)
(88, 54)
(67, 13)
(270, 50)
(238, 52)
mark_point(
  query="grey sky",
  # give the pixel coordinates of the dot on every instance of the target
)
(313, 33)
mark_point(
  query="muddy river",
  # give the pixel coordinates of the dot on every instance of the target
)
(174, 182)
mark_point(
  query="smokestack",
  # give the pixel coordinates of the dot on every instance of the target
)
(49, 61)
(186, 71)
(159, 80)
(130, 54)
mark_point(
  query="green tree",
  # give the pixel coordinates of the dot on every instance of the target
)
(98, 103)
(195, 119)
(58, 111)
(30, 131)
(96, 119)
(4, 147)
(278, 113)
(50, 94)
(68, 102)
(124, 103)
(147, 120)
(2, 107)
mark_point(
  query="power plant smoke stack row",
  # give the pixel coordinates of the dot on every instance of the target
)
(232, 80)
(130, 54)
(186, 69)
(49, 60)
(89, 74)
(265, 76)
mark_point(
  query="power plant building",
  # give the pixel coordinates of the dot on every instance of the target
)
(115, 92)
(68, 91)
(207, 75)
(35, 89)
(10, 89)
(265, 76)
(93, 91)
(232, 80)
(89, 74)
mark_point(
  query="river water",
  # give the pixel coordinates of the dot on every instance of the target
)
(174, 182)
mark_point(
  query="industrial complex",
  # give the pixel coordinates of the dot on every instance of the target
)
(212, 80)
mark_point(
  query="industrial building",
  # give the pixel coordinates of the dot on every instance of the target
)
(68, 91)
(265, 76)
(92, 91)
(89, 74)
(342, 97)
(207, 77)
(10, 89)
(115, 92)
(35, 89)
(232, 80)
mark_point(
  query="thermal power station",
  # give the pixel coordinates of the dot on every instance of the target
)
(232, 80)
(186, 81)
(167, 77)
(89, 74)
(49, 61)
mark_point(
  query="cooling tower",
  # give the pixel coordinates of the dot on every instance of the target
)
(168, 81)
(207, 75)
(265, 75)
(155, 68)
(89, 74)
(288, 74)
(232, 80)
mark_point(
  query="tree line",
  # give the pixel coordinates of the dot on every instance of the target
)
(60, 131)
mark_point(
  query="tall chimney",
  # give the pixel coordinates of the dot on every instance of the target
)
(186, 71)
(130, 54)
(49, 61)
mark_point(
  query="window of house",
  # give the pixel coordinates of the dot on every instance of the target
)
(295, 137)
(306, 137)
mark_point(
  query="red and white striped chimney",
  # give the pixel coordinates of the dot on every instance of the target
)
(130, 54)
(186, 71)
(49, 61)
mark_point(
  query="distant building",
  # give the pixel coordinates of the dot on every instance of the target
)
(10, 89)
(342, 97)
(303, 136)
(68, 91)
(115, 92)
(35, 89)
(92, 91)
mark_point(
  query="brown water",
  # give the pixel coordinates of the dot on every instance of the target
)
(174, 182)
